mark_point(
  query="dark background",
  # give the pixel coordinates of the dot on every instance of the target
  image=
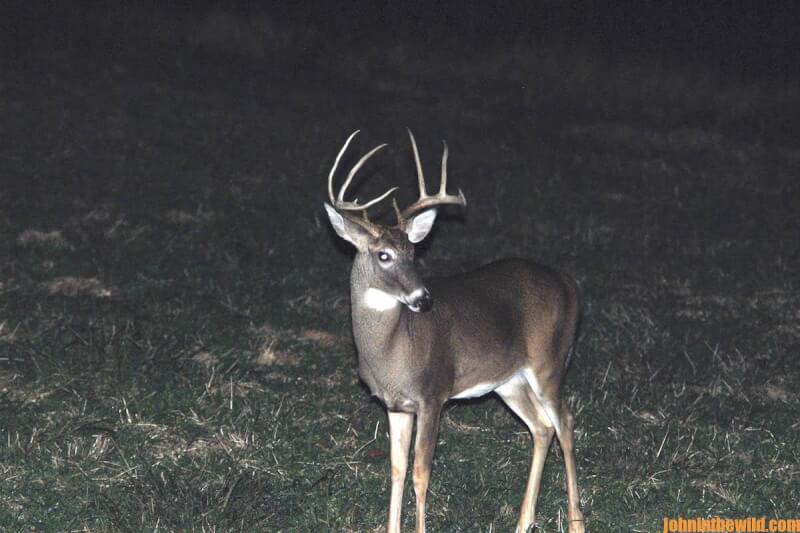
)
(741, 38)
(174, 315)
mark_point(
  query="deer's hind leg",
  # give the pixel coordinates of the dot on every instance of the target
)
(565, 438)
(521, 399)
(550, 406)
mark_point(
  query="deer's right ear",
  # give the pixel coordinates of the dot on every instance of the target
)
(345, 229)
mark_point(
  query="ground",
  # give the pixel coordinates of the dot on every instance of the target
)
(174, 319)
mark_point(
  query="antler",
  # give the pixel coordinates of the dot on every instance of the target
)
(426, 201)
(340, 203)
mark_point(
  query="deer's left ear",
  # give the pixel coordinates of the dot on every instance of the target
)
(346, 229)
(420, 225)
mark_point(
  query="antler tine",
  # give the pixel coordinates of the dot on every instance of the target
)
(443, 180)
(420, 175)
(355, 206)
(340, 197)
(425, 201)
(338, 201)
(443, 183)
(336, 164)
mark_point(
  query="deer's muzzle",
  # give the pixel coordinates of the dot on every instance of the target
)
(420, 301)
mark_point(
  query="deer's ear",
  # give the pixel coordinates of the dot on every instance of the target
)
(352, 233)
(420, 225)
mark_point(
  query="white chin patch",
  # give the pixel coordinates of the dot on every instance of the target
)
(378, 300)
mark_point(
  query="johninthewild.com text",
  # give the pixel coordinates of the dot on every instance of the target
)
(717, 524)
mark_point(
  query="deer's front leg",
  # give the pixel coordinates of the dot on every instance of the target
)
(427, 431)
(400, 427)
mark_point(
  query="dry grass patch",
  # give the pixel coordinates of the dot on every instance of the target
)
(268, 355)
(75, 286)
(46, 239)
(181, 217)
(779, 393)
(323, 339)
(279, 347)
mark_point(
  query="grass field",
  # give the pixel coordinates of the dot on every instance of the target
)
(174, 319)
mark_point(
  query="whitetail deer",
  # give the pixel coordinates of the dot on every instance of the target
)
(507, 327)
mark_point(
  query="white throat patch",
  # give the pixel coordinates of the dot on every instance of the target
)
(378, 300)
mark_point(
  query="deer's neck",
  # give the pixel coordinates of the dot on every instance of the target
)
(375, 315)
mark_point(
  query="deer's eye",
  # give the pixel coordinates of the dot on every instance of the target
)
(384, 257)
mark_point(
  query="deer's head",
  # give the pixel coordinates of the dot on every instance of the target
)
(385, 254)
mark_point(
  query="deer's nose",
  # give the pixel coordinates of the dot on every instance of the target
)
(421, 301)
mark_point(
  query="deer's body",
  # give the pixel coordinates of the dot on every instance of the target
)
(507, 327)
(486, 326)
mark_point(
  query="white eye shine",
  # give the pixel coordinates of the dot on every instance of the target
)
(384, 256)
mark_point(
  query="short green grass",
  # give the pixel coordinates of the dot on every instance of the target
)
(174, 328)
